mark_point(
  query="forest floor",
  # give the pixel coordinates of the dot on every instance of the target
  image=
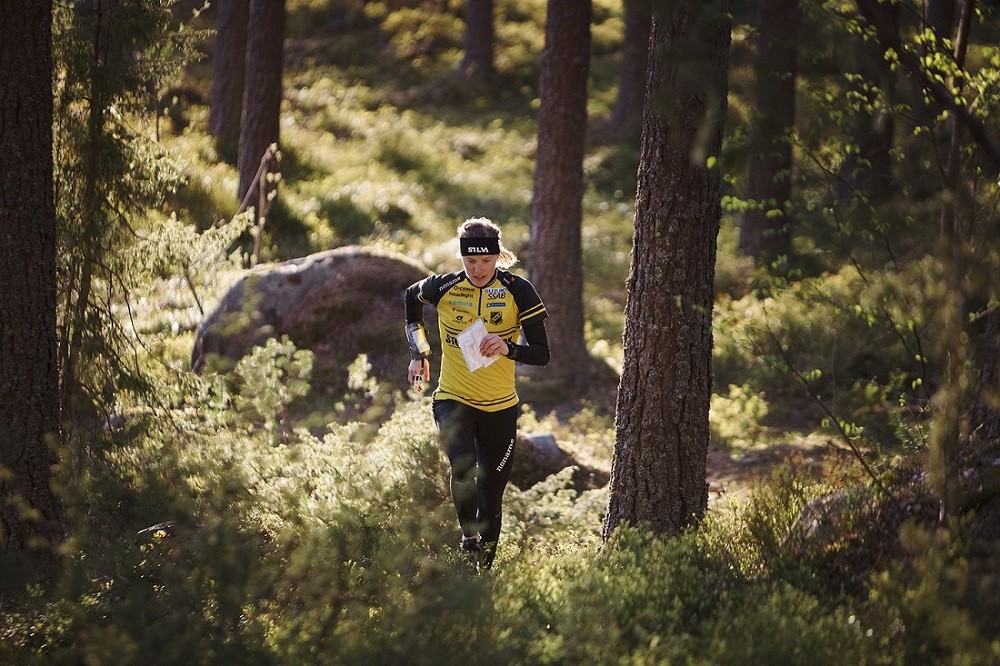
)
(732, 471)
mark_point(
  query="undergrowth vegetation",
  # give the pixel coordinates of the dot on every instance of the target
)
(212, 527)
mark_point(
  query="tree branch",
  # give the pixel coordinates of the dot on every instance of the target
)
(889, 39)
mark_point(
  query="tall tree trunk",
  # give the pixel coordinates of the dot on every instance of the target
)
(557, 202)
(263, 90)
(948, 401)
(627, 113)
(477, 63)
(765, 232)
(938, 16)
(661, 433)
(29, 383)
(869, 169)
(229, 75)
(102, 48)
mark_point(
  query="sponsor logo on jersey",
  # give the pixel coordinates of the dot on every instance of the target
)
(496, 318)
(501, 304)
(451, 340)
(495, 293)
(461, 304)
(451, 283)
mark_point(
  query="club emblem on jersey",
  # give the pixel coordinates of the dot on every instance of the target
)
(496, 318)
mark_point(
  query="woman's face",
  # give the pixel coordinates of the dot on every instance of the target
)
(480, 268)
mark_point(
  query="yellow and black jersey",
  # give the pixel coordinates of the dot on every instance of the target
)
(505, 305)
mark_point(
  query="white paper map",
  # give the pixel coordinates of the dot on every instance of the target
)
(468, 342)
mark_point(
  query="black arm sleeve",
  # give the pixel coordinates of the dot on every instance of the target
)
(536, 352)
(414, 308)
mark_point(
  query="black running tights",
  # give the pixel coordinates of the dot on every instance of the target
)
(480, 448)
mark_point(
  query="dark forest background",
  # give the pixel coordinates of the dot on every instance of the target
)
(767, 233)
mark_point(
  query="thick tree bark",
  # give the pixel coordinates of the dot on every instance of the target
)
(765, 232)
(263, 91)
(29, 388)
(229, 75)
(477, 63)
(557, 202)
(661, 433)
(627, 113)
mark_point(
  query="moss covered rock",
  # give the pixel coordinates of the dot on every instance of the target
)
(339, 304)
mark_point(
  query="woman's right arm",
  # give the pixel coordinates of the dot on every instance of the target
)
(419, 370)
(411, 301)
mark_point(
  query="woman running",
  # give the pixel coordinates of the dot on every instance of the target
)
(488, 318)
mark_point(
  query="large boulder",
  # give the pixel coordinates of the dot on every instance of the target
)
(539, 456)
(339, 303)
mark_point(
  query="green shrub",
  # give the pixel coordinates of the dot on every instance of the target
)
(843, 340)
(735, 418)
(783, 625)
(637, 597)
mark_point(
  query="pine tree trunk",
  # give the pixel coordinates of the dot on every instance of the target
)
(29, 390)
(557, 202)
(477, 63)
(869, 169)
(229, 75)
(658, 475)
(765, 232)
(627, 113)
(263, 91)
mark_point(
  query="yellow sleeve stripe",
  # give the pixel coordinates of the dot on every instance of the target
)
(533, 312)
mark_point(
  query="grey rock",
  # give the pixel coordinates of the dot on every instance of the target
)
(339, 303)
(539, 456)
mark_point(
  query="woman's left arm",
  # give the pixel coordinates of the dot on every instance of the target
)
(536, 352)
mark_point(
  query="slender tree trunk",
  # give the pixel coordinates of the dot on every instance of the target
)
(950, 397)
(938, 16)
(661, 432)
(627, 113)
(229, 75)
(88, 255)
(477, 63)
(869, 169)
(29, 383)
(765, 232)
(557, 203)
(263, 91)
